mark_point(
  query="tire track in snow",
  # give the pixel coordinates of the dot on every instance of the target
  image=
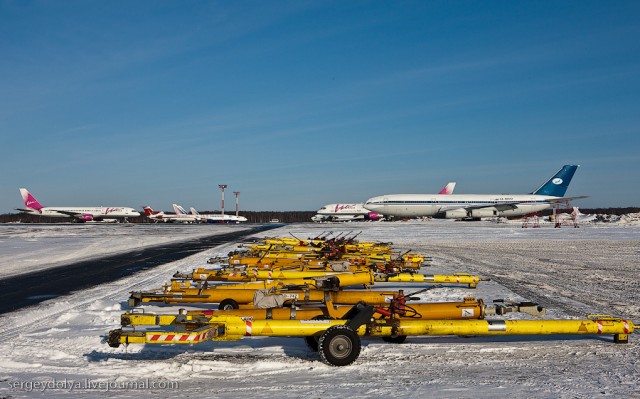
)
(32, 288)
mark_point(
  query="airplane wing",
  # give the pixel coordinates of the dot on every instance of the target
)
(72, 214)
(505, 206)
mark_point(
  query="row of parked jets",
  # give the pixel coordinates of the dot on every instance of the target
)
(447, 205)
(444, 204)
(181, 215)
(113, 214)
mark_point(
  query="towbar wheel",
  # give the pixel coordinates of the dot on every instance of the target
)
(398, 339)
(228, 304)
(114, 338)
(339, 346)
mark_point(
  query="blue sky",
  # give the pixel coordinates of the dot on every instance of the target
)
(297, 104)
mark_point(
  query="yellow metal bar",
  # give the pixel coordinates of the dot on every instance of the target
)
(471, 281)
(245, 296)
(468, 309)
(236, 326)
(258, 261)
(436, 327)
(512, 327)
(298, 277)
(269, 279)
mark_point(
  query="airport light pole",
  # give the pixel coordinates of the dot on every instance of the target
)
(236, 193)
(222, 187)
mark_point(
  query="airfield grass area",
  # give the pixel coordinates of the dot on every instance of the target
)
(570, 271)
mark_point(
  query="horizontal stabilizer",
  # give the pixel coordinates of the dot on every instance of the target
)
(565, 199)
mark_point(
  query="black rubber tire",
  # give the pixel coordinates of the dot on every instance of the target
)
(339, 346)
(312, 340)
(228, 304)
(114, 338)
(395, 340)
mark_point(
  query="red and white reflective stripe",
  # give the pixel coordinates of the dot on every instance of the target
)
(599, 326)
(457, 279)
(178, 337)
(270, 273)
(249, 325)
(255, 273)
(625, 323)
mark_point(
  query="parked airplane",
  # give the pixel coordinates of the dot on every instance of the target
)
(219, 218)
(344, 213)
(476, 206)
(81, 214)
(357, 212)
(575, 216)
(180, 211)
(158, 216)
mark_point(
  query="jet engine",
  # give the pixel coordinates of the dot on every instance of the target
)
(456, 214)
(374, 216)
(484, 212)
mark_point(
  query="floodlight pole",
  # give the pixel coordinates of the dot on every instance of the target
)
(222, 187)
(236, 193)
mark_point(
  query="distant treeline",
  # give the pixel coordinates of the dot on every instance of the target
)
(282, 217)
(252, 217)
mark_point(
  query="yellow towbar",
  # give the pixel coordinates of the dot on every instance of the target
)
(470, 308)
(234, 298)
(252, 274)
(458, 278)
(339, 342)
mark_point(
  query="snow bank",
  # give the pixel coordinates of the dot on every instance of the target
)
(630, 219)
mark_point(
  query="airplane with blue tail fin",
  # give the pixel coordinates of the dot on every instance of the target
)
(477, 206)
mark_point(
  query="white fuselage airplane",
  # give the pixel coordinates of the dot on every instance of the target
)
(191, 218)
(344, 213)
(476, 206)
(218, 218)
(80, 213)
(157, 216)
(354, 212)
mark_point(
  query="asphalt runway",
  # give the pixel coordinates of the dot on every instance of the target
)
(32, 288)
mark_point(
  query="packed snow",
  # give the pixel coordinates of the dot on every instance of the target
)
(55, 349)
(26, 248)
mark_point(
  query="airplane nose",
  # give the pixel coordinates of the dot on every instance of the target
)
(371, 206)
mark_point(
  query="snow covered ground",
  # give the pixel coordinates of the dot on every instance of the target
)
(571, 271)
(27, 247)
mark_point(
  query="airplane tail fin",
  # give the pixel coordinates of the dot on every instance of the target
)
(448, 189)
(29, 200)
(558, 184)
(148, 211)
(179, 210)
(194, 212)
